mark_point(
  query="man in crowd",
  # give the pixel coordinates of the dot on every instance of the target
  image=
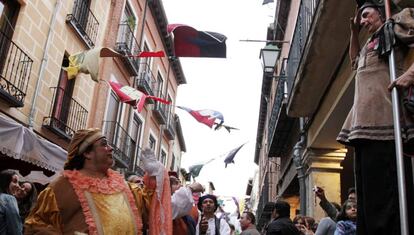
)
(90, 198)
(184, 212)
(281, 224)
(247, 224)
(208, 222)
(369, 127)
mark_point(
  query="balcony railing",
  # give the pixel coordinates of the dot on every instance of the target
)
(306, 13)
(84, 22)
(277, 106)
(170, 128)
(15, 68)
(146, 81)
(160, 112)
(66, 115)
(124, 147)
(128, 45)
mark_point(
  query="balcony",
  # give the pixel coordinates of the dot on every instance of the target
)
(127, 45)
(146, 81)
(318, 48)
(66, 115)
(160, 112)
(83, 22)
(280, 125)
(170, 128)
(15, 68)
(124, 147)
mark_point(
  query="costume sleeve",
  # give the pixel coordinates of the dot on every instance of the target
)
(13, 220)
(143, 196)
(404, 26)
(45, 216)
(181, 202)
(224, 227)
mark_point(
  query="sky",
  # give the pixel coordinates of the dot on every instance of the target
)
(231, 86)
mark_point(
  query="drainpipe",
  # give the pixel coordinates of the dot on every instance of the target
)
(297, 155)
(43, 63)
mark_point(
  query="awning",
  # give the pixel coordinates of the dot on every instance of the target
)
(19, 142)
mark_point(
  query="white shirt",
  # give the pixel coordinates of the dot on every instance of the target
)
(224, 227)
(181, 202)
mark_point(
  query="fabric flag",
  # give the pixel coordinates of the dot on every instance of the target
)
(188, 42)
(144, 54)
(230, 157)
(267, 1)
(132, 96)
(194, 170)
(88, 62)
(205, 116)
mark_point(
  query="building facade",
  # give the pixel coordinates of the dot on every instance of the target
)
(41, 108)
(305, 100)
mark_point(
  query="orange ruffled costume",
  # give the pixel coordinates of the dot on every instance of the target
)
(75, 203)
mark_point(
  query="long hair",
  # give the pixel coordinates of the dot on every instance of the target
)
(342, 214)
(5, 179)
(28, 202)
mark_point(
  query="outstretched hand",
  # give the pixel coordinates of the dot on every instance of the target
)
(354, 24)
(150, 164)
(404, 81)
(319, 192)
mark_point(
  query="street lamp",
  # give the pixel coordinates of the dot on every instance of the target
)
(269, 55)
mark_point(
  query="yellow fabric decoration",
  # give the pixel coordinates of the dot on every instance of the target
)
(45, 215)
(88, 62)
(113, 219)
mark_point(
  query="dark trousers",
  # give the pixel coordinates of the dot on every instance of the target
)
(377, 189)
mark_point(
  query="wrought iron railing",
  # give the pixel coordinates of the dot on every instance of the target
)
(66, 115)
(304, 21)
(128, 45)
(146, 81)
(15, 68)
(124, 147)
(277, 106)
(84, 22)
(170, 128)
(161, 112)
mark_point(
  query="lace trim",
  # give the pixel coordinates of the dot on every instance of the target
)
(112, 184)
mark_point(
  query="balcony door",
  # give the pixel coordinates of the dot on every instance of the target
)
(136, 140)
(9, 10)
(81, 12)
(63, 98)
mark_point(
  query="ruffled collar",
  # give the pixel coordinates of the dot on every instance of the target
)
(114, 183)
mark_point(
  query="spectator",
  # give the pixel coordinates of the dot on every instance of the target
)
(281, 225)
(304, 224)
(247, 223)
(327, 225)
(328, 207)
(346, 224)
(26, 198)
(10, 222)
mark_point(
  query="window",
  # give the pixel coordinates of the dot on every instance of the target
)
(8, 15)
(129, 18)
(172, 167)
(136, 136)
(160, 85)
(152, 142)
(163, 158)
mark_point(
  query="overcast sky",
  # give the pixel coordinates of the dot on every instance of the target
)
(231, 86)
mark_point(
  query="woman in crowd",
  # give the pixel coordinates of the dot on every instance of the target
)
(346, 220)
(26, 198)
(10, 222)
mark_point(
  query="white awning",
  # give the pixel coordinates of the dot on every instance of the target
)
(19, 142)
